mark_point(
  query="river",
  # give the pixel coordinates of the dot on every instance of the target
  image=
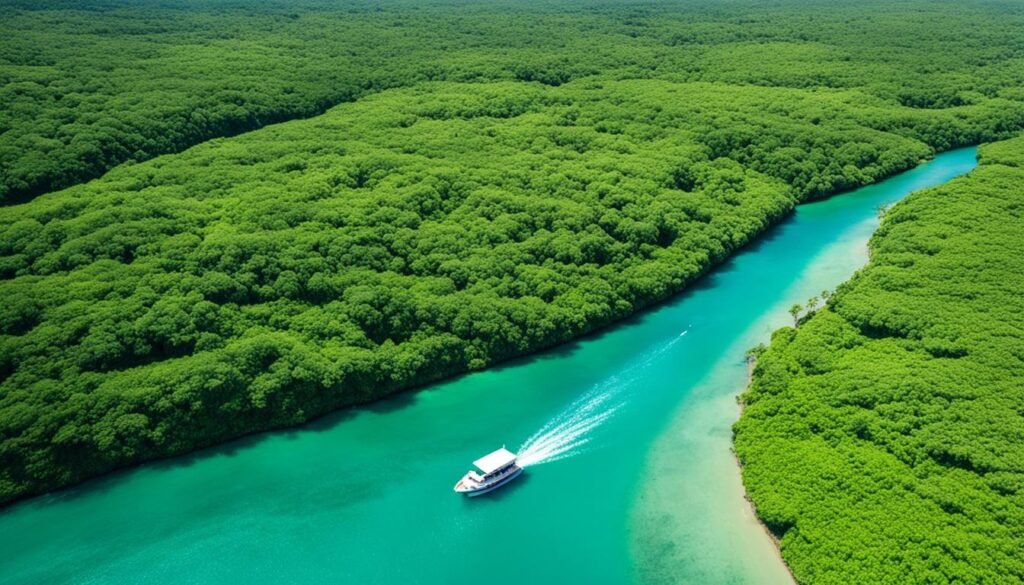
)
(645, 490)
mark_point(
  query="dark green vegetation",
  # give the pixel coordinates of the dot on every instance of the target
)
(532, 174)
(86, 85)
(883, 438)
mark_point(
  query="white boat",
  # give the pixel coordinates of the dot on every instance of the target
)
(498, 468)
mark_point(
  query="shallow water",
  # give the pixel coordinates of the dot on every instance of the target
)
(645, 492)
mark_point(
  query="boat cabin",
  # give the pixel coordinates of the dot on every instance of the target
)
(495, 463)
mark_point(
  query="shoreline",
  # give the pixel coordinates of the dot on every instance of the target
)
(751, 364)
(750, 508)
(748, 504)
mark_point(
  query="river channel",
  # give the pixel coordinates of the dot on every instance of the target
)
(632, 478)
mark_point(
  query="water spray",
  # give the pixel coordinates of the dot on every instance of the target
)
(567, 433)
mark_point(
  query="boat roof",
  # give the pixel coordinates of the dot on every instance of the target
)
(495, 461)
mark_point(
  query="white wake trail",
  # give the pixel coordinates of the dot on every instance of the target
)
(565, 434)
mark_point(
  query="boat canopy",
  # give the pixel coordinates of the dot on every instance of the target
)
(494, 461)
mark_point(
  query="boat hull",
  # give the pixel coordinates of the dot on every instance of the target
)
(472, 493)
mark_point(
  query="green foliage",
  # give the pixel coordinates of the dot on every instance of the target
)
(883, 440)
(495, 180)
(85, 86)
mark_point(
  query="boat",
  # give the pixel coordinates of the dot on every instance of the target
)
(497, 469)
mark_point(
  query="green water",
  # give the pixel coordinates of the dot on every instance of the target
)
(365, 496)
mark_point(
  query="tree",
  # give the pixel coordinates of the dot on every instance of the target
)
(794, 312)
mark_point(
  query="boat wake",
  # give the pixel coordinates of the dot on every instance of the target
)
(567, 433)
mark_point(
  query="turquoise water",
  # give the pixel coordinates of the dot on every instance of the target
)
(365, 496)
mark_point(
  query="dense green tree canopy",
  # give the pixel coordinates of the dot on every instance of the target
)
(883, 438)
(89, 84)
(493, 180)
